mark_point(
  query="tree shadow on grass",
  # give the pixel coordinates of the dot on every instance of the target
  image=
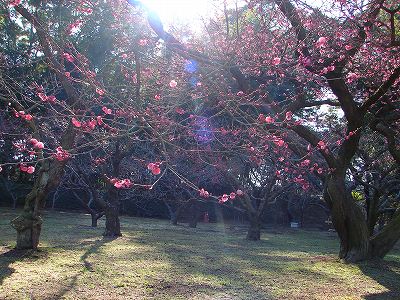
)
(93, 249)
(11, 256)
(386, 273)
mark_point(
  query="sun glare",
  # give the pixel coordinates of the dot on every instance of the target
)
(186, 11)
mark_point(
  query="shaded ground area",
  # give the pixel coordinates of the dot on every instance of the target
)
(155, 260)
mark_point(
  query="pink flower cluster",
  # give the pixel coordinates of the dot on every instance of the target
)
(68, 57)
(225, 197)
(21, 114)
(61, 154)
(91, 124)
(204, 193)
(28, 169)
(36, 144)
(14, 2)
(321, 42)
(44, 98)
(265, 119)
(73, 26)
(154, 168)
(122, 183)
(321, 145)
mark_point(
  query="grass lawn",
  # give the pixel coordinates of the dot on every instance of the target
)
(155, 260)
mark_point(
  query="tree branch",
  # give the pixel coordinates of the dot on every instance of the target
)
(381, 91)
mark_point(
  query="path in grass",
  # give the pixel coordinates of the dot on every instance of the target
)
(155, 260)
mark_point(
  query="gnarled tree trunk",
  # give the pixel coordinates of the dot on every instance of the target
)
(348, 220)
(384, 241)
(28, 227)
(357, 239)
(29, 224)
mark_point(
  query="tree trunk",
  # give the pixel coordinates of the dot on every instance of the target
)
(175, 215)
(193, 223)
(29, 224)
(14, 206)
(93, 197)
(174, 218)
(8, 186)
(372, 211)
(113, 227)
(95, 218)
(384, 241)
(254, 231)
(28, 227)
(193, 215)
(55, 197)
(348, 220)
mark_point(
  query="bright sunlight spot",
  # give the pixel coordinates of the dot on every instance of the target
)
(185, 11)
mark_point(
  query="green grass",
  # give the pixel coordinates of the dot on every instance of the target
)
(155, 260)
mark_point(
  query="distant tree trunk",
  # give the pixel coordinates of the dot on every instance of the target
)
(55, 197)
(175, 215)
(174, 218)
(15, 200)
(193, 223)
(254, 231)
(93, 197)
(302, 209)
(94, 214)
(95, 217)
(194, 216)
(7, 185)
